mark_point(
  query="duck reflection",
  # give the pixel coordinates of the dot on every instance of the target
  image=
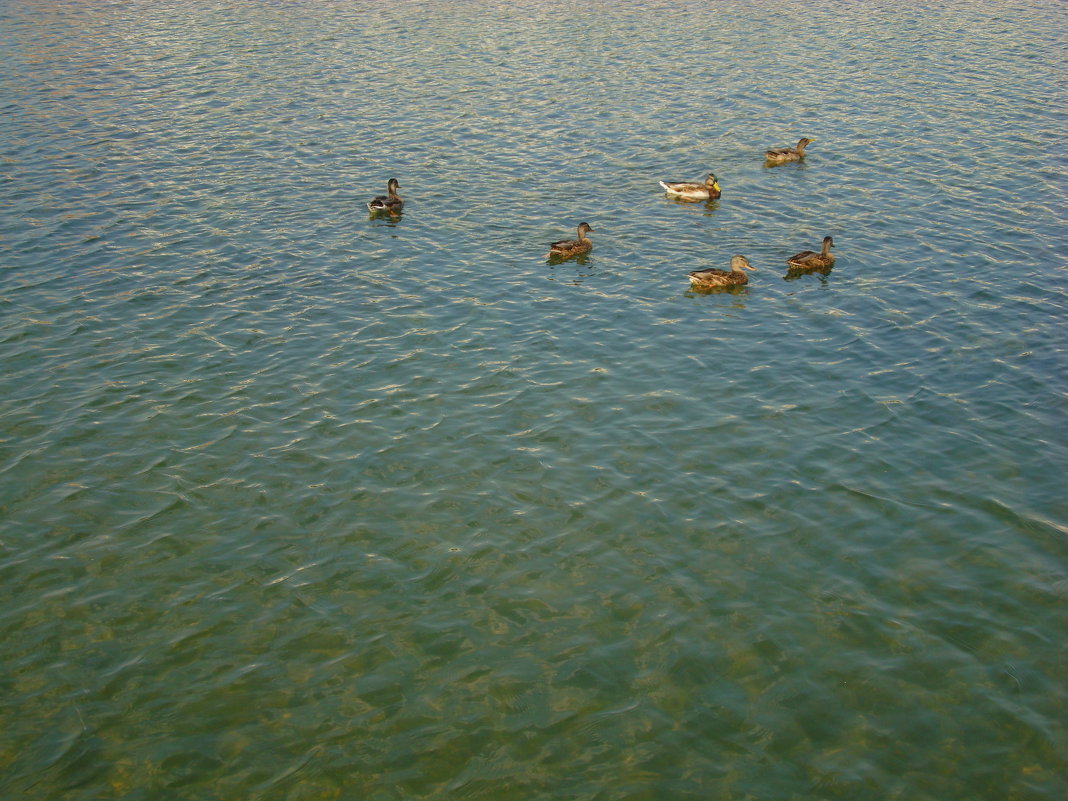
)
(708, 206)
(581, 259)
(386, 220)
(569, 276)
(793, 273)
(737, 290)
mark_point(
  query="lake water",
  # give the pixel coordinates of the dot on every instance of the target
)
(300, 504)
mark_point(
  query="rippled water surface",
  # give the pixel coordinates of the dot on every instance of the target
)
(300, 504)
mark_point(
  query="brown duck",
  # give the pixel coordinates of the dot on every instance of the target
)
(782, 155)
(808, 260)
(735, 276)
(566, 248)
(390, 201)
(709, 190)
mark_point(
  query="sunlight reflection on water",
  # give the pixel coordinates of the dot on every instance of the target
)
(303, 503)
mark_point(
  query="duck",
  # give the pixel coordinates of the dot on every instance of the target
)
(566, 248)
(709, 190)
(390, 202)
(715, 278)
(782, 155)
(807, 260)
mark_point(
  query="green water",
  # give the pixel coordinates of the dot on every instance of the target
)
(300, 504)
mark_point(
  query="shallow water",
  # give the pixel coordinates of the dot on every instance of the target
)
(299, 504)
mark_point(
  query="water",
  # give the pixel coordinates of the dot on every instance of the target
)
(296, 504)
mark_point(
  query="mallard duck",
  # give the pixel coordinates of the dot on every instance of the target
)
(390, 202)
(783, 154)
(733, 277)
(709, 190)
(807, 260)
(566, 248)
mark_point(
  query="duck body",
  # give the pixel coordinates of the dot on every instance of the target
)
(390, 202)
(782, 155)
(709, 190)
(565, 248)
(711, 278)
(809, 260)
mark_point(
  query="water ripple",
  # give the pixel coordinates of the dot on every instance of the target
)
(298, 502)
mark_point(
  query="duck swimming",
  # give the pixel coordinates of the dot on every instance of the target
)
(807, 260)
(709, 190)
(782, 155)
(714, 278)
(390, 202)
(566, 248)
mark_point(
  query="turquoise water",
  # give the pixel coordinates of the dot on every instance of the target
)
(299, 504)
